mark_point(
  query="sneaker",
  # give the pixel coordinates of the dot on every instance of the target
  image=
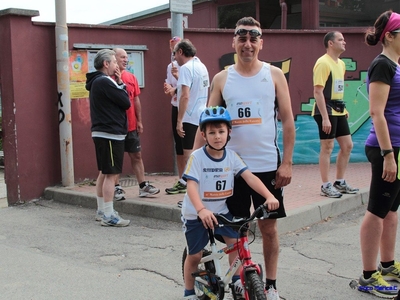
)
(119, 193)
(114, 220)
(377, 286)
(148, 189)
(238, 289)
(100, 214)
(191, 297)
(391, 273)
(180, 203)
(177, 188)
(272, 293)
(344, 188)
(330, 191)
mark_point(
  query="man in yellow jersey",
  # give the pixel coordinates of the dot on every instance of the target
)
(330, 113)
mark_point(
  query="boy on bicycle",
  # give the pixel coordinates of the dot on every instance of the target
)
(210, 173)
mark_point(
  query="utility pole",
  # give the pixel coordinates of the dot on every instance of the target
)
(176, 25)
(64, 98)
(177, 9)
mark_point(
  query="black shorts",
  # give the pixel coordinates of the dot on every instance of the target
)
(240, 202)
(132, 142)
(109, 155)
(177, 138)
(190, 134)
(340, 127)
(383, 196)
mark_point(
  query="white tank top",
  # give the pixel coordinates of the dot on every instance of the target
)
(252, 106)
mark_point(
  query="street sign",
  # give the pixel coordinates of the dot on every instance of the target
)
(181, 6)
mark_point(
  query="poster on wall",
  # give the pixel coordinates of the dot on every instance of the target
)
(135, 64)
(78, 67)
(81, 62)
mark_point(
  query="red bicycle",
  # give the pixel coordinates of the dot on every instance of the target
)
(210, 282)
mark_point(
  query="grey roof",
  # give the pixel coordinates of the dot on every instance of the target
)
(142, 14)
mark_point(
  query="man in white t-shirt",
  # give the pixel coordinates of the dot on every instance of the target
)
(192, 94)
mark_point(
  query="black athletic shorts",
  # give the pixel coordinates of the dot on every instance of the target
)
(240, 202)
(109, 155)
(340, 127)
(383, 196)
(190, 135)
(177, 138)
(132, 142)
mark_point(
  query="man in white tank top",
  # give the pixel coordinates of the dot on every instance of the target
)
(254, 92)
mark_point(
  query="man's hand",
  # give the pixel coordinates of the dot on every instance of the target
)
(139, 127)
(174, 71)
(179, 129)
(283, 175)
(118, 75)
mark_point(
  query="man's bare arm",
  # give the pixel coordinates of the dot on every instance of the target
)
(284, 173)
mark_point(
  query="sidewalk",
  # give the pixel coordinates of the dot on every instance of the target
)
(304, 206)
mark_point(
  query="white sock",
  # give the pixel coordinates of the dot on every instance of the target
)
(340, 180)
(182, 181)
(100, 203)
(108, 209)
(325, 184)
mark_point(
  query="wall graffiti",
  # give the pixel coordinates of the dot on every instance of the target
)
(306, 150)
(61, 113)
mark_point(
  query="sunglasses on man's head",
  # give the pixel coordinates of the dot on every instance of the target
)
(243, 32)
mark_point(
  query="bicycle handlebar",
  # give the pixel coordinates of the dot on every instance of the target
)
(240, 221)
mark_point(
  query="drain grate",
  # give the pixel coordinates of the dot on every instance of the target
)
(127, 182)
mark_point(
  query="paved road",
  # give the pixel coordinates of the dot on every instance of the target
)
(50, 250)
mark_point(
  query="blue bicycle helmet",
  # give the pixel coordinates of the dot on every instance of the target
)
(214, 114)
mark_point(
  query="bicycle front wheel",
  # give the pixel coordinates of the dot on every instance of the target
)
(256, 286)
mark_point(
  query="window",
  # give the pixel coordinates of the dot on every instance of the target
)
(228, 15)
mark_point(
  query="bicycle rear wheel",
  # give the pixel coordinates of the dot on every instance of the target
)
(208, 266)
(255, 286)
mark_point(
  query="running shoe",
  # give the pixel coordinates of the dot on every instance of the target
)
(148, 189)
(330, 191)
(191, 297)
(344, 188)
(176, 189)
(100, 214)
(272, 293)
(377, 286)
(119, 193)
(114, 220)
(238, 289)
(391, 273)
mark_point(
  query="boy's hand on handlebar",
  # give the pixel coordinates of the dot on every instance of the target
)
(272, 203)
(208, 218)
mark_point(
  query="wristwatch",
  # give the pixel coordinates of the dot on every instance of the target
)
(385, 152)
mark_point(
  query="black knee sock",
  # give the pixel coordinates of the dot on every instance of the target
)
(269, 282)
(368, 274)
(387, 264)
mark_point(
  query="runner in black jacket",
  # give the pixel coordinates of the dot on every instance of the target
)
(108, 104)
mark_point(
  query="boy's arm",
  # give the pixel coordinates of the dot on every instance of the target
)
(256, 184)
(206, 216)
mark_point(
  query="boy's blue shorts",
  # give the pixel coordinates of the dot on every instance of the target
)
(197, 236)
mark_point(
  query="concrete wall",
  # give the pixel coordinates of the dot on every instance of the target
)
(29, 91)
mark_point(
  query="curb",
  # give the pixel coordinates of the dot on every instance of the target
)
(329, 207)
(296, 219)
